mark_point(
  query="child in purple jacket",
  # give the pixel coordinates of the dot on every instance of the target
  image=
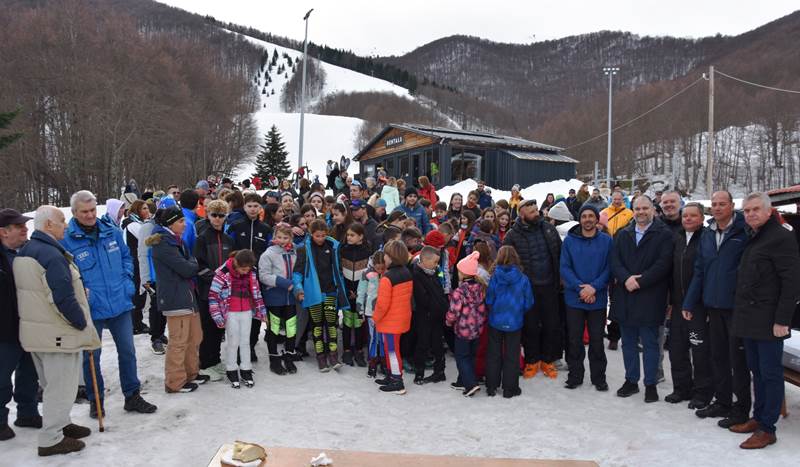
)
(467, 316)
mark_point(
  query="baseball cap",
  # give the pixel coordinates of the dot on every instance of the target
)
(10, 216)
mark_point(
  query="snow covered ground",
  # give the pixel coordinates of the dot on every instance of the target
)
(327, 137)
(346, 411)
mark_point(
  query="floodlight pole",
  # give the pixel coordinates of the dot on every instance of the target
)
(303, 92)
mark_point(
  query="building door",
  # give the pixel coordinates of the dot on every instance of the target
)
(405, 169)
(416, 162)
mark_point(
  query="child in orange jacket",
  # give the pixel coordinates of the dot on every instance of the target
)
(392, 314)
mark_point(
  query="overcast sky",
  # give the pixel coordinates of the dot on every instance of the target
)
(380, 27)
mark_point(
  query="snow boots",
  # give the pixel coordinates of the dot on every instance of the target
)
(247, 377)
(233, 377)
(276, 365)
(394, 385)
(347, 358)
(359, 358)
(530, 370)
(322, 362)
(288, 362)
(333, 361)
(549, 370)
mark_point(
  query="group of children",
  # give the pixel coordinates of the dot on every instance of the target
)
(399, 300)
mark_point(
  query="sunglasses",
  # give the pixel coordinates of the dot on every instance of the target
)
(217, 215)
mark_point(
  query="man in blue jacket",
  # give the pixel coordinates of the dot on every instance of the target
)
(485, 198)
(414, 210)
(585, 271)
(714, 282)
(106, 268)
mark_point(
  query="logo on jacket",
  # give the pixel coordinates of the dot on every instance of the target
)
(112, 246)
(82, 255)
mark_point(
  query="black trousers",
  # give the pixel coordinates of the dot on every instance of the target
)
(594, 321)
(541, 336)
(212, 338)
(729, 363)
(255, 330)
(690, 355)
(139, 301)
(429, 331)
(613, 332)
(502, 359)
(158, 324)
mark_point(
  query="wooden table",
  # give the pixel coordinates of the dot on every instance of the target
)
(297, 457)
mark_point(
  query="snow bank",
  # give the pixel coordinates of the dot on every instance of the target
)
(537, 191)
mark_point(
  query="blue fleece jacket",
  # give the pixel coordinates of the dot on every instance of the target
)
(586, 260)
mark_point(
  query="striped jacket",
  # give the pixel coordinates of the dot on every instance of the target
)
(220, 294)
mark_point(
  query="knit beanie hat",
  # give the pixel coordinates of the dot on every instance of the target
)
(590, 208)
(169, 216)
(559, 212)
(411, 191)
(381, 203)
(435, 239)
(469, 265)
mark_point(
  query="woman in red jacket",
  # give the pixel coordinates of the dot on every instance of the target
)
(427, 190)
(392, 314)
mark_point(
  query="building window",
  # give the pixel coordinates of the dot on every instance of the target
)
(432, 167)
(404, 166)
(466, 165)
(388, 166)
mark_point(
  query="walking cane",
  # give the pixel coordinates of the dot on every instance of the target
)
(96, 393)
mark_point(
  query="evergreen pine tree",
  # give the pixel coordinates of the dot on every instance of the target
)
(5, 121)
(273, 158)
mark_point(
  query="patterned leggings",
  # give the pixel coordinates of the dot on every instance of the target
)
(324, 330)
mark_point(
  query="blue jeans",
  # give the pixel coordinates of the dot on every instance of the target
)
(14, 359)
(650, 355)
(465, 351)
(765, 360)
(121, 329)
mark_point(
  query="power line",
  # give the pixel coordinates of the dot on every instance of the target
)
(771, 88)
(629, 122)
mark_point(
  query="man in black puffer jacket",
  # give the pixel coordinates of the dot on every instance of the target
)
(538, 245)
(688, 331)
(766, 297)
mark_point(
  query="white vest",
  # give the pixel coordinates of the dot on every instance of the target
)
(42, 328)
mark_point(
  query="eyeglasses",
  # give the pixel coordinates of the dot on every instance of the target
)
(218, 215)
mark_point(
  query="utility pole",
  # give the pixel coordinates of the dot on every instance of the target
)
(710, 150)
(610, 71)
(303, 92)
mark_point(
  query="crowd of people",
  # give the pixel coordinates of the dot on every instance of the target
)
(387, 277)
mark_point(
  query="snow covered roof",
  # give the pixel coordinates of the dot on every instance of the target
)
(541, 156)
(785, 195)
(449, 135)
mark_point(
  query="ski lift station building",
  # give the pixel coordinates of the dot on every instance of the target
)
(448, 156)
